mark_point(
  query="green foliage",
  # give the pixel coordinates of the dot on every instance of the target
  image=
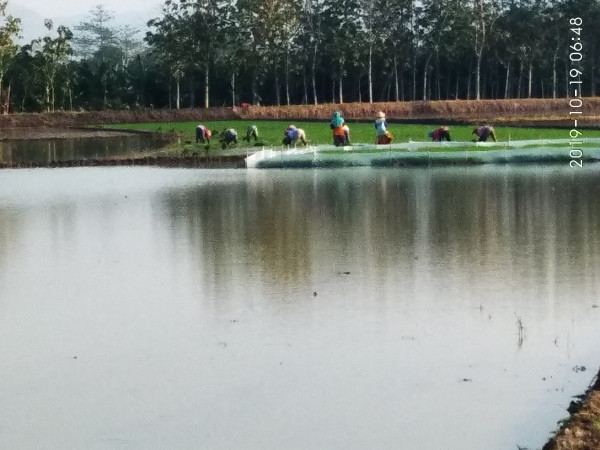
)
(10, 27)
(224, 52)
(51, 59)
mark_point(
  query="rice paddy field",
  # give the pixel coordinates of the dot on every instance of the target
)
(271, 132)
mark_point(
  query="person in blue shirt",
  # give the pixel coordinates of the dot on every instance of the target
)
(293, 135)
(383, 135)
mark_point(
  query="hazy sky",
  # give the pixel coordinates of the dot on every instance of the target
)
(72, 12)
(56, 8)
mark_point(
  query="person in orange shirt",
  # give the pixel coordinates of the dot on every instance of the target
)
(341, 132)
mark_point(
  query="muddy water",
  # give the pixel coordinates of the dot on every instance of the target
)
(363, 308)
(48, 151)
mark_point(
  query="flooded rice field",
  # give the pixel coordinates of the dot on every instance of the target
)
(420, 308)
(92, 145)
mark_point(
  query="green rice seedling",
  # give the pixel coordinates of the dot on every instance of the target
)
(317, 133)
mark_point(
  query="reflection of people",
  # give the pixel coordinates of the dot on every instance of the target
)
(293, 134)
(339, 133)
(483, 132)
(251, 132)
(441, 134)
(383, 135)
(202, 134)
(228, 136)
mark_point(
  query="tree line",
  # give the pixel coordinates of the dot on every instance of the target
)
(202, 53)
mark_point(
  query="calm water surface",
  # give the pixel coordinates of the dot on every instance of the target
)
(145, 308)
(47, 151)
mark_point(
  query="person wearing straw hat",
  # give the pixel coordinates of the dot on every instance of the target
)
(383, 135)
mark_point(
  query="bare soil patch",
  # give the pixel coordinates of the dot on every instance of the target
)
(582, 430)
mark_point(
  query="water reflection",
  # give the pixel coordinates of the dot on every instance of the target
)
(351, 309)
(11, 224)
(454, 226)
(48, 151)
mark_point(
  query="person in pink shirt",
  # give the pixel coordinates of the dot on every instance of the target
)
(202, 134)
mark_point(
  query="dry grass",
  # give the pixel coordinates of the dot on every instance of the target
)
(582, 430)
(465, 110)
(533, 111)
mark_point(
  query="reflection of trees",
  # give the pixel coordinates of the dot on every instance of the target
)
(43, 151)
(525, 225)
(10, 229)
(287, 224)
(466, 221)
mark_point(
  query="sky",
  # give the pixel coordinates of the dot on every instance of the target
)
(72, 12)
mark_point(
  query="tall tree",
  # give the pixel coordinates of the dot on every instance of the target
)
(95, 35)
(169, 43)
(310, 39)
(201, 21)
(96, 42)
(486, 14)
(10, 27)
(342, 27)
(52, 57)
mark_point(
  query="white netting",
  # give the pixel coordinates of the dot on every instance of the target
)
(367, 154)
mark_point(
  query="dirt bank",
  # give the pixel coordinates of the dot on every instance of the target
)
(552, 112)
(225, 162)
(582, 430)
(522, 111)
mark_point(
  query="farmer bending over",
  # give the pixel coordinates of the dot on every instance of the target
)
(202, 134)
(293, 135)
(441, 134)
(228, 136)
(251, 131)
(483, 132)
